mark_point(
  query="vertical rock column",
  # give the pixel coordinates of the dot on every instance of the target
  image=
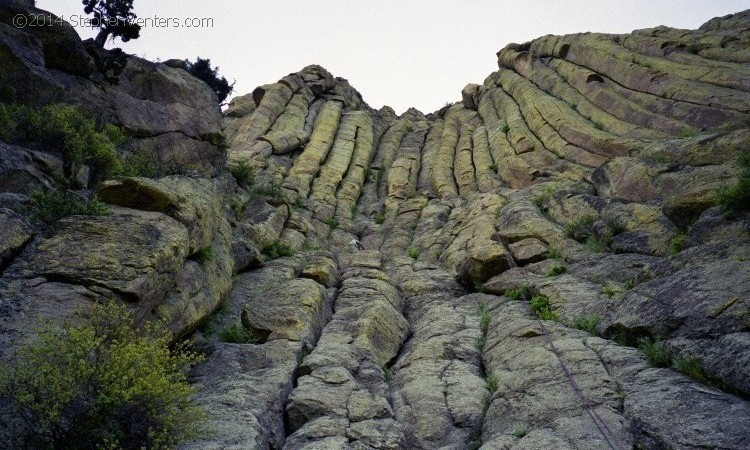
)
(341, 400)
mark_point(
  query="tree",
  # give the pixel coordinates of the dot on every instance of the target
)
(202, 70)
(113, 18)
(101, 384)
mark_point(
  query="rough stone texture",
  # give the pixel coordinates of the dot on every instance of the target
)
(584, 171)
(172, 116)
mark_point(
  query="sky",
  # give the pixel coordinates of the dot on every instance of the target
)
(399, 53)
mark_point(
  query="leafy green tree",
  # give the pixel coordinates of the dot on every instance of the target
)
(102, 384)
(202, 70)
(114, 18)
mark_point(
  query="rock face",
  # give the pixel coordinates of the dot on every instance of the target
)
(492, 275)
(173, 117)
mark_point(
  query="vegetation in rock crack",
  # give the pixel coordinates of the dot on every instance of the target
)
(541, 308)
(677, 244)
(543, 196)
(484, 318)
(237, 334)
(413, 253)
(477, 286)
(332, 222)
(277, 250)
(102, 384)
(270, 190)
(202, 70)
(387, 374)
(71, 132)
(609, 291)
(480, 342)
(519, 293)
(49, 206)
(557, 270)
(113, 18)
(237, 206)
(692, 368)
(576, 227)
(506, 128)
(492, 381)
(379, 178)
(586, 323)
(353, 210)
(243, 174)
(688, 132)
(493, 167)
(594, 245)
(519, 431)
(484, 324)
(380, 216)
(736, 198)
(204, 255)
(655, 352)
(554, 253)
(628, 284)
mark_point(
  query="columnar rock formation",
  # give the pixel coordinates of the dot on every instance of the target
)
(584, 173)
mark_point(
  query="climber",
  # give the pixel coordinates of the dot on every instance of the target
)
(357, 244)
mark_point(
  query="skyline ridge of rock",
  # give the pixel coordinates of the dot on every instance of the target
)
(522, 249)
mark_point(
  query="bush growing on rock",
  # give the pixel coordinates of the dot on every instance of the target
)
(68, 130)
(202, 70)
(103, 384)
(54, 205)
(737, 197)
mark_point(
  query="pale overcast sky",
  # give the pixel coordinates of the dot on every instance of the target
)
(395, 52)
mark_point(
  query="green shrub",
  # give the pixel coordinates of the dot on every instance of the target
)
(413, 253)
(541, 308)
(609, 291)
(692, 368)
(49, 206)
(677, 244)
(557, 270)
(519, 431)
(379, 178)
(493, 167)
(353, 210)
(272, 190)
(505, 128)
(243, 174)
(522, 293)
(594, 245)
(277, 250)
(477, 286)
(480, 342)
(237, 334)
(578, 226)
(736, 198)
(554, 253)
(629, 284)
(688, 132)
(380, 216)
(586, 323)
(387, 374)
(238, 207)
(202, 70)
(655, 352)
(484, 318)
(492, 382)
(66, 128)
(332, 222)
(204, 255)
(103, 384)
